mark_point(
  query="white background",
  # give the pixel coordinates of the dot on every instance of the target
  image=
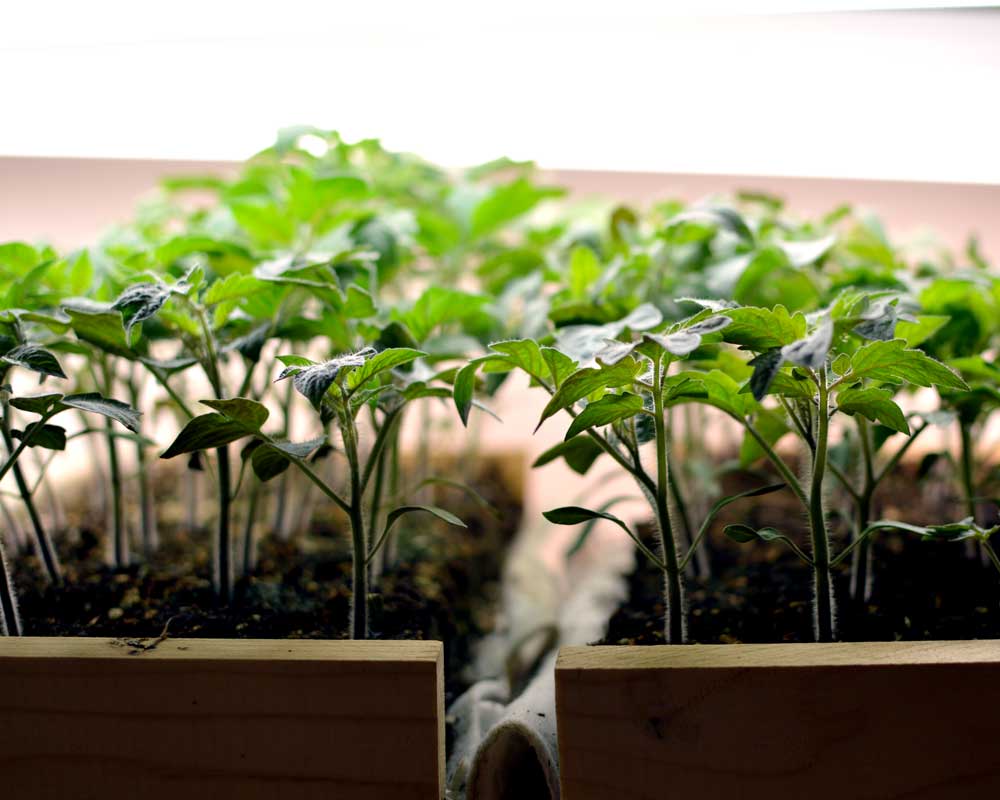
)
(627, 85)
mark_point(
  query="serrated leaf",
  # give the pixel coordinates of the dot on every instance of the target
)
(585, 381)
(875, 404)
(892, 362)
(381, 362)
(608, 409)
(35, 358)
(97, 404)
(235, 286)
(879, 322)
(916, 332)
(561, 366)
(761, 329)
(526, 355)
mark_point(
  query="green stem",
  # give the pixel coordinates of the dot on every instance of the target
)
(249, 551)
(375, 502)
(119, 540)
(10, 620)
(861, 563)
(681, 505)
(968, 470)
(46, 552)
(359, 541)
(823, 618)
(675, 629)
(147, 511)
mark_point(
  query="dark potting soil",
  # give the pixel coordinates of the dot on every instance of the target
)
(443, 586)
(762, 593)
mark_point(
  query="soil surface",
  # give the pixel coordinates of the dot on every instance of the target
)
(762, 593)
(443, 585)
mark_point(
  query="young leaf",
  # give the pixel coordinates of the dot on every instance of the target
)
(526, 355)
(813, 350)
(574, 515)
(248, 413)
(875, 404)
(207, 432)
(101, 328)
(761, 329)
(35, 358)
(140, 302)
(35, 404)
(380, 362)
(601, 412)
(97, 404)
(765, 369)
(582, 382)
(721, 217)
(270, 459)
(579, 452)
(879, 322)
(893, 363)
(51, 437)
(744, 533)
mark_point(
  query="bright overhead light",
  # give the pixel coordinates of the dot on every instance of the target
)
(642, 86)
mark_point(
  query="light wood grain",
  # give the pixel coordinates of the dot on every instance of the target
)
(198, 718)
(876, 721)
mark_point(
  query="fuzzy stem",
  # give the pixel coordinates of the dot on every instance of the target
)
(675, 629)
(359, 540)
(10, 620)
(968, 470)
(823, 613)
(223, 542)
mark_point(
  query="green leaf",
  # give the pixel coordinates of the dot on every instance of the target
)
(561, 366)
(526, 355)
(893, 363)
(440, 306)
(103, 329)
(206, 432)
(771, 425)
(812, 351)
(505, 204)
(744, 533)
(465, 385)
(585, 381)
(608, 409)
(248, 413)
(270, 459)
(725, 218)
(765, 370)
(584, 270)
(579, 452)
(875, 404)
(51, 437)
(380, 362)
(918, 332)
(440, 513)
(761, 329)
(235, 286)
(35, 358)
(140, 302)
(35, 404)
(588, 528)
(574, 515)
(97, 404)
(359, 304)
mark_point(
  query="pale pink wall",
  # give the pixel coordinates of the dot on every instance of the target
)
(68, 201)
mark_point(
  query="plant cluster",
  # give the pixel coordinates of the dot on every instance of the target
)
(371, 283)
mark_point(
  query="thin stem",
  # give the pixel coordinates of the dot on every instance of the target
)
(46, 552)
(119, 537)
(147, 511)
(223, 543)
(681, 505)
(786, 473)
(991, 553)
(968, 469)
(675, 629)
(249, 551)
(861, 563)
(823, 601)
(359, 540)
(10, 619)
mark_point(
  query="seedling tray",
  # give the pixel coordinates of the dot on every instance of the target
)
(858, 720)
(211, 718)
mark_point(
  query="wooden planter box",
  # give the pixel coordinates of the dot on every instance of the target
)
(207, 718)
(913, 720)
